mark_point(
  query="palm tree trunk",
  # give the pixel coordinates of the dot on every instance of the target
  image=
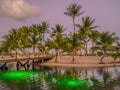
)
(73, 25)
(43, 44)
(10, 53)
(86, 74)
(29, 54)
(73, 58)
(2, 55)
(33, 50)
(24, 51)
(93, 73)
(92, 46)
(56, 55)
(43, 51)
(73, 38)
(16, 54)
(101, 59)
(33, 54)
(86, 52)
(80, 52)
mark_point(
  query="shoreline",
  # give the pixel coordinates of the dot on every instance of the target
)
(81, 61)
(79, 65)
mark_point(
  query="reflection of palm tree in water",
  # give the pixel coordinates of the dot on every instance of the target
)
(86, 73)
(43, 85)
(74, 73)
(100, 70)
(107, 77)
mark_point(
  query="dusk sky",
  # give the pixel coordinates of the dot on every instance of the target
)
(17, 13)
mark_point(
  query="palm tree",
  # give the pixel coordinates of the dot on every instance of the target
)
(24, 34)
(44, 26)
(116, 55)
(57, 37)
(94, 36)
(81, 42)
(2, 49)
(73, 11)
(68, 44)
(33, 38)
(118, 50)
(15, 40)
(85, 30)
(6, 44)
(106, 43)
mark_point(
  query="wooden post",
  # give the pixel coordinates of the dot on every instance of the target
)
(3, 67)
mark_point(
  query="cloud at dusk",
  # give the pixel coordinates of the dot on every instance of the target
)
(18, 9)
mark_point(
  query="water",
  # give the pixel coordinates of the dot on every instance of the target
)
(60, 78)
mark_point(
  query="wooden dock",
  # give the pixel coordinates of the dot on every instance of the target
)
(23, 62)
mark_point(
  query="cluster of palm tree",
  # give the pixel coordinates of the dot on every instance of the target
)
(25, 39)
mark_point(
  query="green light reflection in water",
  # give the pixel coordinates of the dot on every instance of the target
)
(16, 75)
(70, 82)
(22, 78)
(42, 79)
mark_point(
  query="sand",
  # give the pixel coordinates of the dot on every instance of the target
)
(82, 61)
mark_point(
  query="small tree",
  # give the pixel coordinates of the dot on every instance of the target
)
(57, 38)
(116, 55)
(105, 43)
(94, 36)
(85, 30)
(68, 46)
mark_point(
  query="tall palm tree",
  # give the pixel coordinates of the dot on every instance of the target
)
(57, 37)
(73, 11)
(85, 30)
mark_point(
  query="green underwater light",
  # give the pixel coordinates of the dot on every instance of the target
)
(16, 75)
(70, 82)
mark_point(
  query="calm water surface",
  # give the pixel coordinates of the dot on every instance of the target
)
(60, 78)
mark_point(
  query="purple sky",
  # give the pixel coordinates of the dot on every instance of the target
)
(106, 13)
